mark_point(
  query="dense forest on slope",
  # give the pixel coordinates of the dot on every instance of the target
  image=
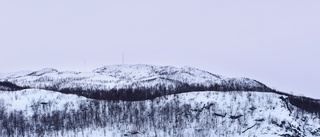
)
(8, 86)
(144, 93)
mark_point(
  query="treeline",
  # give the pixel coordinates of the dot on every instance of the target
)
(10, 86)
(304, 103)
(137, 93)
(144, 93)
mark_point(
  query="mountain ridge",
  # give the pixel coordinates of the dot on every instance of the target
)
(128, 72)
(146, 100)
(154, 81)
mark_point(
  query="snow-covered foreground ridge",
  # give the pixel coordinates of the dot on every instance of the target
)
(145, 100)
(35, 112)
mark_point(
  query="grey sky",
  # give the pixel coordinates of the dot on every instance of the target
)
(275, 42)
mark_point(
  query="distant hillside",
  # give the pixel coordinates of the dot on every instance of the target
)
(132, 82)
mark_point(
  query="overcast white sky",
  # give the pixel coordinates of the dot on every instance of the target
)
(275, 42)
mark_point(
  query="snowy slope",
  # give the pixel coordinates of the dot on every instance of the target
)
(25, 99)
(122, 76)
(208, 113)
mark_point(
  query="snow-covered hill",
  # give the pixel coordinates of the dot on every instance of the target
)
(145, 100)
(121, 76)
(137, 82)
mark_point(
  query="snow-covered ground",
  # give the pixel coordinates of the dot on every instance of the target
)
(209, 113)
(25, 100)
